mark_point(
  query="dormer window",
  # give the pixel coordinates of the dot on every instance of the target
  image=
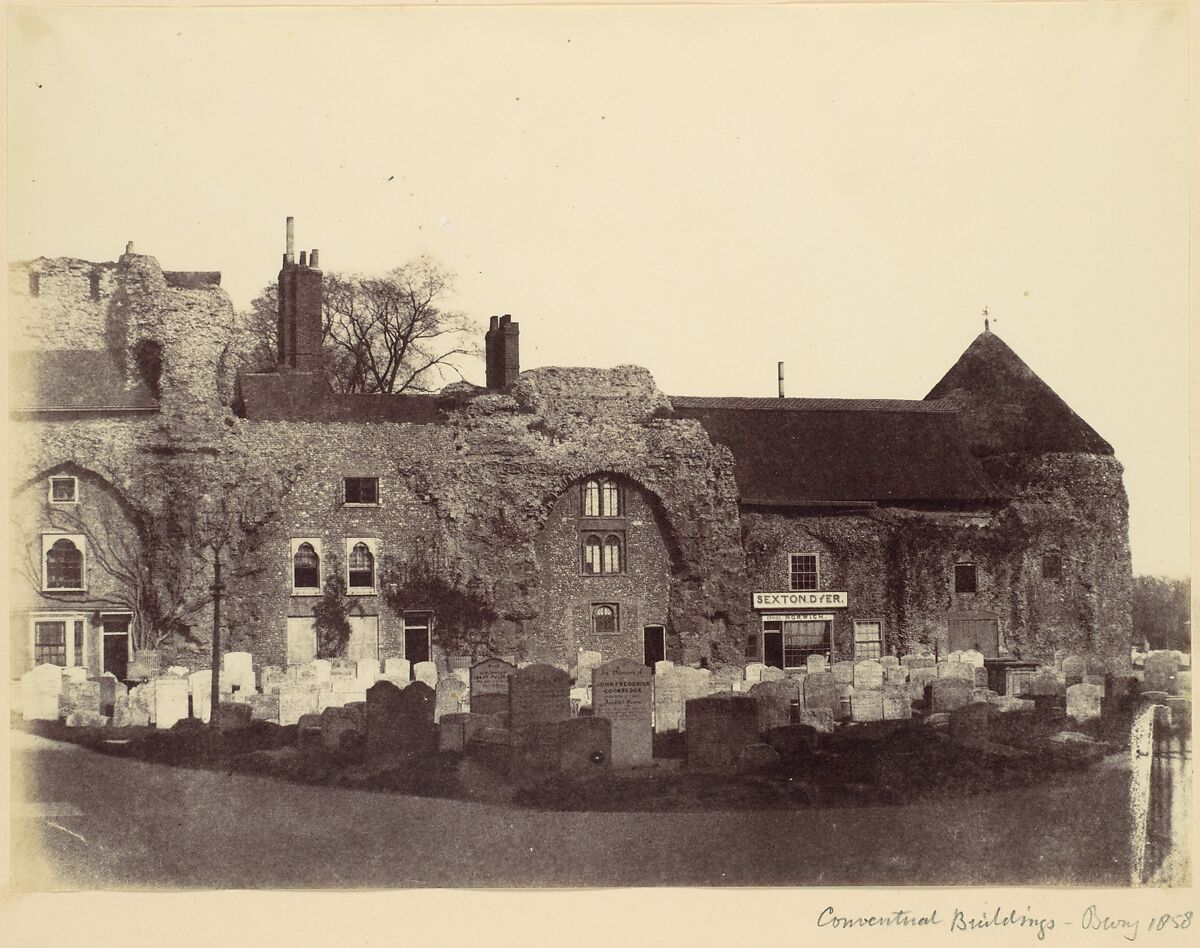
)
(601, 498)
(64, 490)
(360, 491)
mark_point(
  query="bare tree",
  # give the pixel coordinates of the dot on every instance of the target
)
(382, 335)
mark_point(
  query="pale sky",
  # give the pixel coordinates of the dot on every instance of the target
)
(700, 190)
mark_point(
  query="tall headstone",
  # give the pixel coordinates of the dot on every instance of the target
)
(200, 686)
(969, 724)
(897, 705)
(586, 663)
(366, 671)
(1160, 670)
(40, 688)
(668, 699)
(170, 701)
(719, 729)
(450, 697)
(623, 693)
(774, 701)
(538, 694)
(821, 693)
(427, 673)
(237, 671)
(489, 686)
(585, 745)
(867, 704)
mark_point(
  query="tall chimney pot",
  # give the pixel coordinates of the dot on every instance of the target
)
(303, 259)
(312, 259)
(291, 239)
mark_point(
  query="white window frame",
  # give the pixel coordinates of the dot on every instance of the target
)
(877, 622)
(50, 498)
(48, 540)
(363, 477)
(372, 545)
(315, 543)
(791, 559)
(70, 619)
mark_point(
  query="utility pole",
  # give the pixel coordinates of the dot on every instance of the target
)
(217, 587)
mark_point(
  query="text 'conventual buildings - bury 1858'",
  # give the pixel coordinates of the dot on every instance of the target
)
(554, 511)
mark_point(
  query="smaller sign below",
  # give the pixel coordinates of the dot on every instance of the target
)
(798, 617)
(800, 600)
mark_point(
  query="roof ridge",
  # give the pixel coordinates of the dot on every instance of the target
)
(766, 403)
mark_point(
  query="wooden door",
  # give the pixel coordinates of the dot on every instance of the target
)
(973, 630)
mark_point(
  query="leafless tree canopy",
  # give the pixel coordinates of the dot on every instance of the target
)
(382, 334)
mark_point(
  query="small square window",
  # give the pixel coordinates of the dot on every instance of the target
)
(804, 572)
(965, 580)
(1052, 566)
(361, 490)
(604, 618)
(64, 490)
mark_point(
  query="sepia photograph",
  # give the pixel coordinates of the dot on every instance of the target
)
(637, 446)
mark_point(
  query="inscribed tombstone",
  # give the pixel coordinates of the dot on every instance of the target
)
(489, 686)
(868, 675)
(538, 694)
(774, 702)
(170, 701)
(623, 693)
(950, 693)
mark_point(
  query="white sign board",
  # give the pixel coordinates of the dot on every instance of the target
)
(800, 600)
(798, 617)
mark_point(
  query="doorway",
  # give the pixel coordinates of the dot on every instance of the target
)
(418, 646)
(974, 630)
(115, 654)
(654, 645)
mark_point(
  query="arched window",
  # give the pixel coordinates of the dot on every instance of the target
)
(604, 619)
(612, 554)
(591, 499)
(64, 565)
(306, 567)
(593, 561)
(362, 567)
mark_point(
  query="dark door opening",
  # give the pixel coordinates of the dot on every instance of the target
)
(773, 647)
(654, 644)
(416, 638)
(116, 646)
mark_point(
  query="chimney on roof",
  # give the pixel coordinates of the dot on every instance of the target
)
(312, 259)
(299, 328)
(781, 380)
(502, 348)
(129, 246)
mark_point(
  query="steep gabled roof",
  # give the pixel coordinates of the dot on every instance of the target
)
(820, 451)
(1007, 408)
(75, 380)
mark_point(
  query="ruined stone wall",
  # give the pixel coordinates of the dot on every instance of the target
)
(63, 314)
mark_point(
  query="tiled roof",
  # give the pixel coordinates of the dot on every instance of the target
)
(305, 396)
(810, 404)
(92, 380)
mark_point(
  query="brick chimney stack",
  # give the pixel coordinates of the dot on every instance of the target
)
(299, 310)
(503, 352)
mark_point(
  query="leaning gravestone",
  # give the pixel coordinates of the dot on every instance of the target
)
(81, 697)
(170, 701)
(821, 693)
(774, 702)
(1083, 701)
(400, 722)
(489, 686)
(868, 675)
(719, 728)
(40, 688)
(950, 693)
(538, 694)
(623, 693)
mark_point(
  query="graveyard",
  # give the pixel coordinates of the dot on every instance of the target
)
(617, 735)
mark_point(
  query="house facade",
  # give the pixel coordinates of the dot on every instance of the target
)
(552, 511)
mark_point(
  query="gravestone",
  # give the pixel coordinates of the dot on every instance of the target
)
(919, 661)
(623, 693)
(1044, 684)
(462, 673)
(323, 670)
(981, 676)
(538, 694)
(1183, 682)
(581, 698)
(897, 705)
(231, 716)
(450, 697)
(586, 663)
(366, 671)
(889, 661)
(969, 725)
(427, 673)
(264, 707)
(844, 710)
(295, 702)
(400, 721)
(719, 728)
(868, 675)
(40, 689)
(110, 689)
(1160, 670)
(141, 704)
(143, 665)
(397, 670)
(774, 701)
(489, 686)
(585, 746)
(973, 657)
(663, 666)
(668, 700)
(305, 676)
(895, 676)
(771, 673)
(816, 664)
(1083, 701)
(821, 693)
(955, 656)
(866, 704)
(75, 673)
(200, 687)
(820, 719)
(843, 673)
(179, 671)
(754, 671)
(335, 723)
(273, 678)
(950, 693)
(237, 670)
(170, 701)
(1074, 668)
(456, 731)
(341, 667)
